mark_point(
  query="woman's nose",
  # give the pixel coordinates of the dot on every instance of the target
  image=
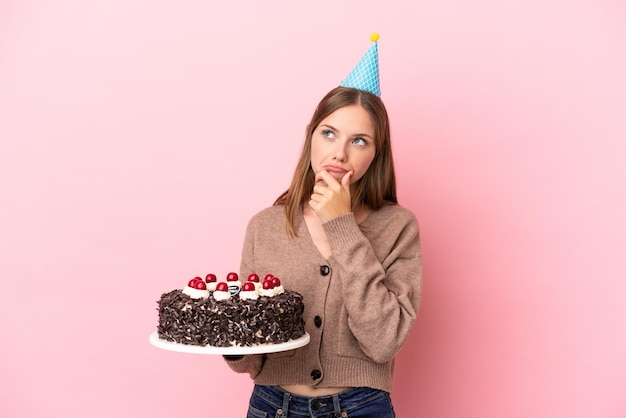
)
(340, 153)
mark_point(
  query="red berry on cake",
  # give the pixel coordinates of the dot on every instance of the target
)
(254, 278)
(192, 281)
(232, 277)
(271, 286)
(221, 292)
(196, 289)
(211, 281)
(249, 291)
(275, 282)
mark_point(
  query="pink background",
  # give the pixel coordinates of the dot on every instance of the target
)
(138, 137)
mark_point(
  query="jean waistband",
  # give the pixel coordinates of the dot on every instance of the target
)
(316, 406)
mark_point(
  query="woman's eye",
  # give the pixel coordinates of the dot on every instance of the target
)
(359, 141)
(326, 133)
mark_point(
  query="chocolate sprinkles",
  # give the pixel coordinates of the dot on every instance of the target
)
(232, 322)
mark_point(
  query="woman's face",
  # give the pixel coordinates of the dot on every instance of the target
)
(343, 142)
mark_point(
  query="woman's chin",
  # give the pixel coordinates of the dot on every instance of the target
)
(337, 175)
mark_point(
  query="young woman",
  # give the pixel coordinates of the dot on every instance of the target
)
(338, 237)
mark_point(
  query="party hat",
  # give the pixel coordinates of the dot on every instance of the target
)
(364, 76)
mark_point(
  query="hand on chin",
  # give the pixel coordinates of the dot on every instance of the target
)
(331, 197)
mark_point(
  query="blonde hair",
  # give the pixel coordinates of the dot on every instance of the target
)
(376, 188)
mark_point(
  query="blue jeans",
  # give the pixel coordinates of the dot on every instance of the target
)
(274, 402)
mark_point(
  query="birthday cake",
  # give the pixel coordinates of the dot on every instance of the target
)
(231, 313)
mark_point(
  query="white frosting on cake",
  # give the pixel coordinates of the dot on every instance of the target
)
(210, 286)
(195, 293)
(249, 294)
(221, 295)
(272, 292)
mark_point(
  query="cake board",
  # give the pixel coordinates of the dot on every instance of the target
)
(230, 351)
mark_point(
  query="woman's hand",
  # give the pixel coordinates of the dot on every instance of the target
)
(331, 199)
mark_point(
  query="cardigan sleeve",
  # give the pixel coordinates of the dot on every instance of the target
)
(251, 364)
(381, 287)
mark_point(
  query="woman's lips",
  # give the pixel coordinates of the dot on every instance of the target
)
(335, 169)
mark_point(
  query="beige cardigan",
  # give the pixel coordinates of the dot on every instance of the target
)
(360, 304)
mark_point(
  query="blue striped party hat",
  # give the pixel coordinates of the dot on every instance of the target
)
(364, 76)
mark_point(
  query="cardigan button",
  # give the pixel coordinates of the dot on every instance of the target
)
(324, 270)
(315, 374)
(317, 321)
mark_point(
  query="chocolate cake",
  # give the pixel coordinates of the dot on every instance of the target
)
(232, 314)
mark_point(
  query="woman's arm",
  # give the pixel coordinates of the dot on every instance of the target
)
(381, 287)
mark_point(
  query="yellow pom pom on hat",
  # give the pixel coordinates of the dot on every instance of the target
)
(364, 75)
